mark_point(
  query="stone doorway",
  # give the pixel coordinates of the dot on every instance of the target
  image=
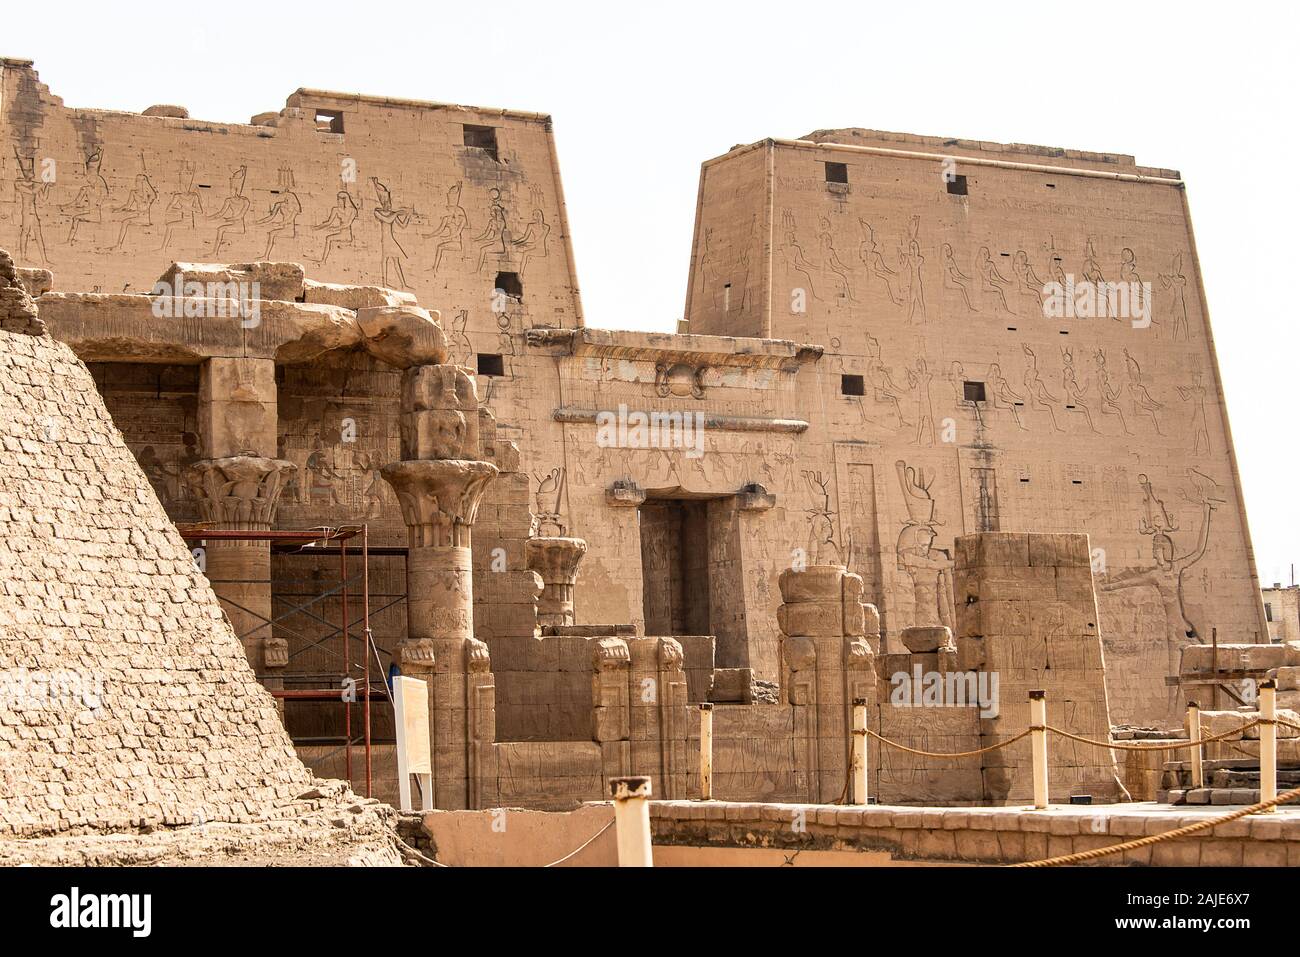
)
(675, 566)
(691, 572)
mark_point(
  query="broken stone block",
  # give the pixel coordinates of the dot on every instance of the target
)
(625, 493)
(354, 297)
(168, 110)
(733, 685)
(923, 639)
(36, 281)
(403, 336)
(808, 618)
(259, 280)
(17, 311)
(1287, 677)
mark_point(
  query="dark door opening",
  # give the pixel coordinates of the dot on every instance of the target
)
(675, 567)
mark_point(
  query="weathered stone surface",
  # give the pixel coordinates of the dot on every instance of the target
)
(17, 311)
(403, 336)
(263, 280)
(125, 328)
(354, 297)
(926, 638)
(128, 702)
(843, 425)
(37, 282)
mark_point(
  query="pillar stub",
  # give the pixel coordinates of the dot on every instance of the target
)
(556, 560)
(275, 652)
(610, 652)
(416, 653)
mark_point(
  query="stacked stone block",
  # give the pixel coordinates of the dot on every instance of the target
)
(1026, 610)
(828, 664)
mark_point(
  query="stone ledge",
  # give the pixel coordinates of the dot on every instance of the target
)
(985, 835)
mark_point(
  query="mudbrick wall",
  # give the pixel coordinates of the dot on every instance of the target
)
(125, 699)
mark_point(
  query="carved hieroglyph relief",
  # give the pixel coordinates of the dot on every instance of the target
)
(929, 568)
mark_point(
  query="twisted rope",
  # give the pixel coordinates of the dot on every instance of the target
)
(1284, 798)
(412, 852)
(944, 754)
(1153, 747)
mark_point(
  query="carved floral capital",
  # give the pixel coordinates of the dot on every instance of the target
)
(239, 491)
(439, 498)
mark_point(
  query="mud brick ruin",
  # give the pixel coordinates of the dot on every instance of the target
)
(866, 455)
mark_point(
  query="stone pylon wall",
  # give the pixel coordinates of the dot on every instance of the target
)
(125, 698)
(950, 400)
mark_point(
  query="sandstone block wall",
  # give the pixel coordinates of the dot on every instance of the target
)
(128, 700)
(1026, 612)
(847, 439)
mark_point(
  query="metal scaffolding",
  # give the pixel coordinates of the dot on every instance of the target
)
(320, 542)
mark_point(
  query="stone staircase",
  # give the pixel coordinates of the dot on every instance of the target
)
(1227, 781)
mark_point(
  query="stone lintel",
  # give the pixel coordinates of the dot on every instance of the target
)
(721, 423)
(121, 327)
(659, 347)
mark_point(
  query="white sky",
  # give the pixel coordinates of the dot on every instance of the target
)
(641, 95)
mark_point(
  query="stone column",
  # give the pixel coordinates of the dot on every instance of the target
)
(240, 493)
(439, 482)
(659, 717)
(828, 662)
(611, 667)
(556, 560)
(238, 487)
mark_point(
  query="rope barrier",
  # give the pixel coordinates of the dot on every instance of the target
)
(581, 846)
(1117, 745)
(1285, 798)
(410, 851)
(944, 754)
(1157, 747)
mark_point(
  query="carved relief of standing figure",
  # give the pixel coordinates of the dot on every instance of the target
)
(822, 547)
(390, 248)
(927, 566)
(920, 378)
(911, 260)
(1175, 280)
(29, 193)
(1166, 576)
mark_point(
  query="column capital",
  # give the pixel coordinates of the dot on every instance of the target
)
(556, 559)
(439, 498)
(238, 491)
